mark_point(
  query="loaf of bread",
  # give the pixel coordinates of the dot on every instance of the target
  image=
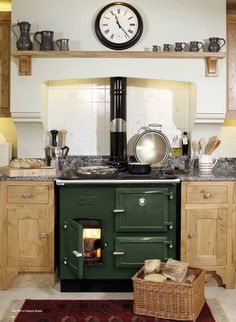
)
(175, 270)
(152, 266)
(155, 277)
(26, 163)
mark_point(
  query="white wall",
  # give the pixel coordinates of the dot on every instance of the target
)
(83, 109)
(164, 21)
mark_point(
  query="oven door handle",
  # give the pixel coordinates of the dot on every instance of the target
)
(118, 211)
(118, 253)
(77, 254)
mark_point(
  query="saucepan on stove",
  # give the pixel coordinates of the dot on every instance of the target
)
(138, 168)
(151, 145)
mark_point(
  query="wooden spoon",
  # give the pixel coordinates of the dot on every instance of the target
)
(196, 148)
(202, 144)
(213, 146)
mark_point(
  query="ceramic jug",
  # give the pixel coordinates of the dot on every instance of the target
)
(195, 46)
(166, 47)
(46, 42)
(23, 41)
(179, 46)
(206, 164)
(215, 44)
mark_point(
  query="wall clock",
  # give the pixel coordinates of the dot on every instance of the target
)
(118, 25)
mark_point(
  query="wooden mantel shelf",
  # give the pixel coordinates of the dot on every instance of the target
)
(211, 58)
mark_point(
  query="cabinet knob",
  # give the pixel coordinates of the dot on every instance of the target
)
(206, 195)
(27, 195)
(43, 235)
(190, 235)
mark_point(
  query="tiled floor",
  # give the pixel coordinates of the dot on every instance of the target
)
(227, 298)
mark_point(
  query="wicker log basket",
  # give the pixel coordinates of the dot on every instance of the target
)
(169, 299)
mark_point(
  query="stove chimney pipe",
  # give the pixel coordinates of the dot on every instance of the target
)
(118, 157)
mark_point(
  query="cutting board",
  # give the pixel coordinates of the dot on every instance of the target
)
(20, 172)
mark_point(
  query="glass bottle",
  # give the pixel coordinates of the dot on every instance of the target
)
(185, 144)
(175, 146)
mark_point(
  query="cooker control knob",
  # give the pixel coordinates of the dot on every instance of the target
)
(65, 226)
(171, 227)
(171, 246)
(65, 261)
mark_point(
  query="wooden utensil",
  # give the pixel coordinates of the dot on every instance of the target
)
(213, 145)
(211, 142)
(196, 148)
(202, 143)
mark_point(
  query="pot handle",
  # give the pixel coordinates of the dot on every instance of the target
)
(149, 127)
(65, 149)
(155, 125)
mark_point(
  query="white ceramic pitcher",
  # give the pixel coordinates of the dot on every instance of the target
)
(206, 164)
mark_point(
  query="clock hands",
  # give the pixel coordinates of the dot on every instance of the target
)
(117, 21)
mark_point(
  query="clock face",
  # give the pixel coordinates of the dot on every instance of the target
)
(118, 26)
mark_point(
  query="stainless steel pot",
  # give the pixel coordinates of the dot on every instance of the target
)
(151, 145)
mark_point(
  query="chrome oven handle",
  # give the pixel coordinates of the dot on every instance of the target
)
(118, 211)
(77, 254)
(118, 253)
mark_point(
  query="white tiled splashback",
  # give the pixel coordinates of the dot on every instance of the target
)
(82, 107)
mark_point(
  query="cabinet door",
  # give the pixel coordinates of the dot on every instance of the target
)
(142, 210)
(206, 236)
(5, 27)
(27, 237)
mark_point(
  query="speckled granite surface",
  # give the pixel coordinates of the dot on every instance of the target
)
(225, 168)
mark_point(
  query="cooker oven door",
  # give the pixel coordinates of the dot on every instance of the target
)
(74, 247)
(143, 209)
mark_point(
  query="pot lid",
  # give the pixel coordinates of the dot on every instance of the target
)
(152, 147)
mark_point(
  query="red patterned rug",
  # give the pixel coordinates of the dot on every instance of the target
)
(89, 311)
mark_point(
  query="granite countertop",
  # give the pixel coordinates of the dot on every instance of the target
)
(191, 175)
(225, 169)
(217, 175)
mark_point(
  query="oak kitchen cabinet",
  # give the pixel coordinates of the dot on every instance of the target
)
(5, 34)
(207, 227)
(27, 228)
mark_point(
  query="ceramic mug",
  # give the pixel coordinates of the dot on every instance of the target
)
(156, 48)
(63, 44)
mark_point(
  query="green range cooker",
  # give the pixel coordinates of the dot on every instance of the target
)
(108, 227)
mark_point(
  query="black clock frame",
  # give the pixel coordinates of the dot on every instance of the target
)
(111, 44)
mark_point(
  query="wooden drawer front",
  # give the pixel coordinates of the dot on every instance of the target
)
(27, 194)
(207, 194)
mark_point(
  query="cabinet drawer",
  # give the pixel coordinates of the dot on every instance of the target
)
(207, 193)
(27, 194)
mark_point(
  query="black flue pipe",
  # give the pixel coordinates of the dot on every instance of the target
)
(118, 137)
